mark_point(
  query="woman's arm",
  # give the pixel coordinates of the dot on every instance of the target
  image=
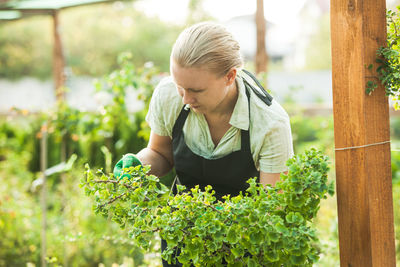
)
(158, 154)
(269, 178)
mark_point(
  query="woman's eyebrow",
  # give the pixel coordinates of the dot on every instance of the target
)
(189, 89)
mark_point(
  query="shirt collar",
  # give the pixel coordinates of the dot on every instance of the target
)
(240, 115)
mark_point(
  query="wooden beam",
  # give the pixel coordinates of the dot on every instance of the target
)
(261, 58)
(363, 175)
(58, 60)
(43, 194)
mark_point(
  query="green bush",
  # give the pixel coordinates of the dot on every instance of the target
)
(75, 236)
(85, 133)
(263, 226)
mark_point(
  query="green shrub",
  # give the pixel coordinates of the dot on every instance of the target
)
(263, 226)
(75, 236)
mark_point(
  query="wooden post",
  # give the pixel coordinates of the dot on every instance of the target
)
(261, 53)
(64, 186)
(43, 195)
(363, 174)
(58, 60)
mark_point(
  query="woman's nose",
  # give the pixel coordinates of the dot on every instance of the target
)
(187, 98)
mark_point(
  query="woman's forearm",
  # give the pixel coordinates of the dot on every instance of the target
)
(160, 166)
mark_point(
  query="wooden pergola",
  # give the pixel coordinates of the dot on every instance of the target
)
(19, 9)
(362, 138)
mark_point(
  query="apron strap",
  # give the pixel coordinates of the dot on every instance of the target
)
(245, 136)
(263, 95)
(180, 121)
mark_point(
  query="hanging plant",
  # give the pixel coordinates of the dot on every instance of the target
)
(388, 59)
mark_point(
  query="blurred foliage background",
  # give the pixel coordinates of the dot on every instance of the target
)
(114, 42)
(93, 36)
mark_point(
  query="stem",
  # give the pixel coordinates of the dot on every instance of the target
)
(113, 182)
(106, 181)
(152, 231)
(212, 207)
(112, 200)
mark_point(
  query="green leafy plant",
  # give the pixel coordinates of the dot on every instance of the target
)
(117, 123)
(388, 59)
(263, 226)
(76, 237)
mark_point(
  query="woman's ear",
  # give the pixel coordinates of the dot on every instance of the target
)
(231, 76)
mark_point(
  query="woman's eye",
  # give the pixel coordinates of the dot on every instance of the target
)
(191, 90)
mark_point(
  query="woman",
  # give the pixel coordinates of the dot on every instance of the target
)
(211, 120)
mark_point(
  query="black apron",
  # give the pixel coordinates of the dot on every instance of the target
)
(226, 175)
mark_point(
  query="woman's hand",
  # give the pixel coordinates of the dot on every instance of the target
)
(128, 160)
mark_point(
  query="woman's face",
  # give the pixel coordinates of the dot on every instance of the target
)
(203, 90)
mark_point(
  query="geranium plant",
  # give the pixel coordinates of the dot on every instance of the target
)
(263, 226)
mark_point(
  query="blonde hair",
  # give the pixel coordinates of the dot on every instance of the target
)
(207, 45)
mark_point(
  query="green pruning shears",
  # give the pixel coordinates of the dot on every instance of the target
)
(128, 160)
